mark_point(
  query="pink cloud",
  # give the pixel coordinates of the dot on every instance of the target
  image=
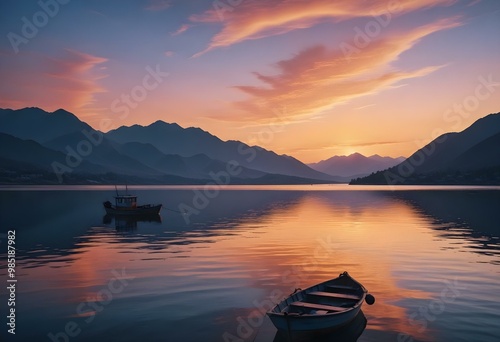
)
(318, 78)
(259, 19)
(68, 81)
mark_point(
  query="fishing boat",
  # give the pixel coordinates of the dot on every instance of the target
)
(126, 204)
(328, 305)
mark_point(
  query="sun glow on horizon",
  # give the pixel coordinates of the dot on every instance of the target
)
(349, 82)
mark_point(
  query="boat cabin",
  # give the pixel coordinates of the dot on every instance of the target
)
(126, 201)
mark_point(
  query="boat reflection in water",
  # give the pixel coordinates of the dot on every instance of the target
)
(129, 222)
(348, 333)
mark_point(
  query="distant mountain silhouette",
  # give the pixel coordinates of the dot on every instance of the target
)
(39, 125)
(354, 165)
(29, 156)
(34, 140)
(187, 142)
(468, 157)
(197, 166)
(103, 153)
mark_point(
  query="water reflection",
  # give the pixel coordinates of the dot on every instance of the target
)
(61, 221)
(129, 222)
(192, 281)
(469, 216)
(348, 333)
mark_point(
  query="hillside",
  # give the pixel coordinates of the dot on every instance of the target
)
(187, 142)
(38, 125)
(34, 140)
(468, 157)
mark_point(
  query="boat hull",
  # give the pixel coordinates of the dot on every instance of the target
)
(287, 319)
(142, 210)
(314, 322)
(347, 333)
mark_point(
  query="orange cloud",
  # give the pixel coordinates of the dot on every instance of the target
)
(258, 19)
(69, 81)
(318, 78)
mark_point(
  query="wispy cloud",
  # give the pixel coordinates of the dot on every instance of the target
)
(158, 5)
(258, 19)
(365, 106)
(326, 147)
(473, 3)
(370, 143)
(318, 78)
(67, 81)
(181, 29)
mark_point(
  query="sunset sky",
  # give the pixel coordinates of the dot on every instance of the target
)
(307, 78)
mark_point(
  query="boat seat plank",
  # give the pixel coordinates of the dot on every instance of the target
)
(317, 306)
(341, 287)
(335, 295)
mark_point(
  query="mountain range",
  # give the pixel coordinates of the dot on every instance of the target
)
(355, 165)
(172, 139)
(38, 147)
(471, 156)
(42, 147)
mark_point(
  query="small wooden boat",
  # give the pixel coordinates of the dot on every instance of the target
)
(127, 205)
(328, 305)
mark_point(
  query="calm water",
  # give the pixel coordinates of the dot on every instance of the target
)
(430, 256)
